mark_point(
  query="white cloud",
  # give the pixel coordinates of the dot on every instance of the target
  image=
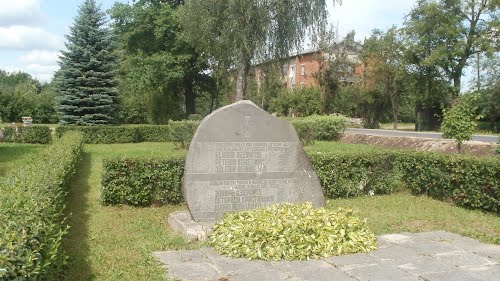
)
(42, 72)
(28, 38)
(40, 57)
(20, 12)
(365, 15)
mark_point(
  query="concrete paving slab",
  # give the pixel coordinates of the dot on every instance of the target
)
(432, 256)
(491, 273)
(350, 259)
(378, 272)
(313, 270)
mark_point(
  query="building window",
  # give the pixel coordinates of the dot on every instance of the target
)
(303, 69)
(291, 75)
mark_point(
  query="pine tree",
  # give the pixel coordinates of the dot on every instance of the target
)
(87, 77)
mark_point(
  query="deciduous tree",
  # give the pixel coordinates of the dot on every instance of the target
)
(237, 33)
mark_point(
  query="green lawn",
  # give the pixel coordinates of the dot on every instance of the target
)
(13, 154)
(116, 243)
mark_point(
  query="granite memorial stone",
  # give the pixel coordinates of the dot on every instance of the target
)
(242, 157)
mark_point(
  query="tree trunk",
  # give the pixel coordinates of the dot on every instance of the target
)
(189, 96)
(241, 81)
(394, 119)
(457, 81)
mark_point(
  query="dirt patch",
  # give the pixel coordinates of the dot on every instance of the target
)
(448, 146)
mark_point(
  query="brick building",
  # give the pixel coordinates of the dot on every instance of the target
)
(299, 69)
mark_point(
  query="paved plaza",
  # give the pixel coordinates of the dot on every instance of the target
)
(428, 256)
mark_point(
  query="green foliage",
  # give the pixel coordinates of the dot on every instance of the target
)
(195, 117)
(234, 33)
(292, 232)
(466, 181)
(87, 76)
(21, 95)
(385, 67)
(32, 202)
(316, 127)
(32, 134)
(103, 134)
(345, 174)
(445, 34)
(297, 103)
(459, 121)
(160, 70)
(142, 182)
(153, 133)
(182, 132)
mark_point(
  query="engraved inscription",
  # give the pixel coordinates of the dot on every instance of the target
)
(250, 157)
(234, 195)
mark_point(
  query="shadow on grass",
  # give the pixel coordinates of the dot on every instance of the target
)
(77, 212)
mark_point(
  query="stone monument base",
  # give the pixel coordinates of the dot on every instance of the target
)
(182, 222)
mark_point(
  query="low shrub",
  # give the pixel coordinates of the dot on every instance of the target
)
(32, 202)
(103, 134)
(316, 127)
(31, 134)
(153, 133)
(466, 181)
(176, 131)
(291, 232)
(182, 132)
(472, 182)
(142, 182)
(355, 173)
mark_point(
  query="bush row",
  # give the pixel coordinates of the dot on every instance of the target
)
(175, 131)
(466, 181)
(32, 201)
(308, 128)
(32, 134)
(142, 182)
(316, 127)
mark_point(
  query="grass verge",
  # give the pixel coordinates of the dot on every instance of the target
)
(115, 243)
(404, 212)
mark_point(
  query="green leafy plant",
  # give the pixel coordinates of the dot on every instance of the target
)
(291, 232)
(319, 127)
(32, 134)
(181, 132)
(459, 122)
(32, 203)
(142, 182)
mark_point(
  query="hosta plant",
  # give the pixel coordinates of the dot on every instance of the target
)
(291, 232)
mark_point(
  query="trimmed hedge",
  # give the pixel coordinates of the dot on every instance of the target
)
(142, 182)
(320, 127)
(349, 174)
(103, 134)
(176, 131)
(31, 134)
(32, 200)
(308, 128)
(466, 181)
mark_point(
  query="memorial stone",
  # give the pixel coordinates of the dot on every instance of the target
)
(242, 157)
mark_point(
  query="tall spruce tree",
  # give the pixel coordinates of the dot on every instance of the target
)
(87, 77)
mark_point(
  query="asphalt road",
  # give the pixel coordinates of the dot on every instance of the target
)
(431, 135)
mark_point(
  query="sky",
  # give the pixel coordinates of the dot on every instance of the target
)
(32, 31)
